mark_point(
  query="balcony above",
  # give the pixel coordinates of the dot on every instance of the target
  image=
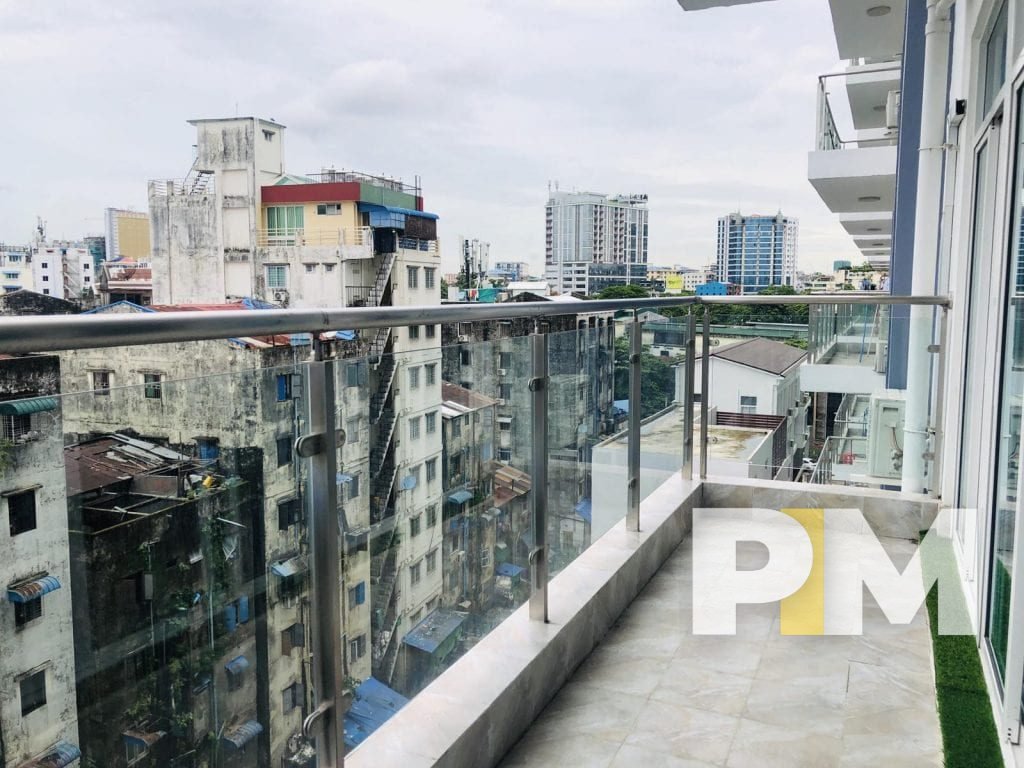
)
(868, 29)
(856, 179)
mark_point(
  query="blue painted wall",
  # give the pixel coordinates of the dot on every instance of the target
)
(901, 265)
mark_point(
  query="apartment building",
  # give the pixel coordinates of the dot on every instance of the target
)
(239, 234)
(594, 241)
(127, 235)
(492, 358)
(15, 268)
(63, 269)
(38, 714)
(757, 252)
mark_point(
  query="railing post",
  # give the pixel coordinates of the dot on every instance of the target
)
(539, 471)
(326, 723)
(635, 417)
(689, 383)
(705, 377)
(940, 398)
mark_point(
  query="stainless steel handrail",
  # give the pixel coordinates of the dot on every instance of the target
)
(59, 332)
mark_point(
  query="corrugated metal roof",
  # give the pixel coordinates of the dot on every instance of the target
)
(61, 754)
(244, 733)
(31, 590)
(25, 407)
(430, 633)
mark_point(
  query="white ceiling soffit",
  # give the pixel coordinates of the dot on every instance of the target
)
(868, 224)
(700, 5)
(868, 89)
(855, 180)
(868, 29)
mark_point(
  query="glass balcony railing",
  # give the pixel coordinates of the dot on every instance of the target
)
(248, 538)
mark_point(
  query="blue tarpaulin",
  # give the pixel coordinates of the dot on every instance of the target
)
(460, 497)
(237, 665)
(430, 633)
(507, 569)
(373, 705)
(290, 567)
(583, 509)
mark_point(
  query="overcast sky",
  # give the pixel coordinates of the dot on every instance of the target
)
(486, 100)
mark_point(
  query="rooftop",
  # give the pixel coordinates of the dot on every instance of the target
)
(762, 354)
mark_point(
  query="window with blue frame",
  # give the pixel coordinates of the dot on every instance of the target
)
(284, 387)
(357, 595)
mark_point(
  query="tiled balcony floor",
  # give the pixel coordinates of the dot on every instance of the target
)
(653, 694)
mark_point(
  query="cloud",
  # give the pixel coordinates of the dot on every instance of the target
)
(486, 101)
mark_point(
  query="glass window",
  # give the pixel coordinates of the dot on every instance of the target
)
(284, 450)
(431, 330)
(413, 274)
(431, 370)
(21, 509)
(1008, 416)
(414, 428)
(33, 692)
(995, 59)
(414, 574)
(748, 404)
(414, 332)
(431, 515)
(429, 279)
(277, 276)
(414, 527)
(414, 377)
(152, 385)
(431, 422)
(431, 469)
(432, 561)
(27, 611)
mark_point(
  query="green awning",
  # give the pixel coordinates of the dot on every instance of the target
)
(25, 407)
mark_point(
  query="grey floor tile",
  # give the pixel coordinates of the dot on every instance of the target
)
(689, 683)
(683, 731)
(580, 751)
(629, 756)
(761, 745)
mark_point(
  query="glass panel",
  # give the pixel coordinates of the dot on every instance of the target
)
(163, 527)
(1009, 436)
(967, 493)
(581, 416)
(446, 522)
(995, 59)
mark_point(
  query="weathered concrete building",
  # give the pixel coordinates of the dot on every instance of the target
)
(25, 302)
(15, 268)
(244, 396)
(168, 646)
(38, 714)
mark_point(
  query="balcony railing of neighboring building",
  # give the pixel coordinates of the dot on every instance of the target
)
(502, 548)
(332, 176)
(830, 136)
(356, 237)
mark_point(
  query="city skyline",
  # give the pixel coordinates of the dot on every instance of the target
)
(489, 147)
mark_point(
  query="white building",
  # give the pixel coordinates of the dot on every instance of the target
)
(15, 268)
(595, 241)
(758, 377)
(63, 269)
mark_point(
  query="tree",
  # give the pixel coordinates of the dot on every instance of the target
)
(631, 291)
(657, 377)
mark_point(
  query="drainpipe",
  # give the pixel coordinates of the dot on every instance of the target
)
(926, 243)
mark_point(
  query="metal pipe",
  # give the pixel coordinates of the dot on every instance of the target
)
(635, 417)
(60, 332)
(539, 480)
(320, 447)
(689, 371)
(927, 221)
(705, 379)
(940, 394)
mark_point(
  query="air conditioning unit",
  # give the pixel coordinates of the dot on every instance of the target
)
(281, 296)
(463, 338)
(503, 371)
(885, 434)
(892, 110)
(458, 555)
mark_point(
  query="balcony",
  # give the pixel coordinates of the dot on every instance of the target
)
(354, 243)
(847, 348)
(477, 656)
(853, 168)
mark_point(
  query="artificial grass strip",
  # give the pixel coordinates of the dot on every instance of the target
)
(969, 736)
